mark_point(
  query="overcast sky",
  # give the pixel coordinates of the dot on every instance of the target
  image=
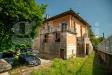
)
(98, 13)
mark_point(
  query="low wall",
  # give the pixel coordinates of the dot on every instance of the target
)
(105, 59)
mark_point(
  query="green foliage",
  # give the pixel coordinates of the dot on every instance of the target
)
(14, 11)
(95, 40)
(22, 47)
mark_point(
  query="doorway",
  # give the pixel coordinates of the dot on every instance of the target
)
(87, 49)
(62, 53)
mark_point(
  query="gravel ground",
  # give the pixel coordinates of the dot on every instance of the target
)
(25, 70)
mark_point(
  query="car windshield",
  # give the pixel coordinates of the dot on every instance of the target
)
(7, 55)
(30, 57)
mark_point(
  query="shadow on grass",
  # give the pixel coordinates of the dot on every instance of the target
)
(99, 67)
(93, 65)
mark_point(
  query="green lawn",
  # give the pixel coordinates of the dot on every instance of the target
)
(75, 66)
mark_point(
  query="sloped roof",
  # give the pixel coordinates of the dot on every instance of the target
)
(66, 13)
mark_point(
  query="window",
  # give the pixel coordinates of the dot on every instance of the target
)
(22, 28)
(57, 35)
(64, 26)
(81, 30)
(72, 52)
(46, 37)
(74, 27)
(48, 27)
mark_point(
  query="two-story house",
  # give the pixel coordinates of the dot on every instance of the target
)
(64, 35)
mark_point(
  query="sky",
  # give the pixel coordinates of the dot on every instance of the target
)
(98, 13)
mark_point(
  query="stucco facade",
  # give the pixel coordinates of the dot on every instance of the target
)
(64, 35)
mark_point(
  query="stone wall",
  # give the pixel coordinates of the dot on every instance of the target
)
(105, 59)
(51, 48)
(71, 45)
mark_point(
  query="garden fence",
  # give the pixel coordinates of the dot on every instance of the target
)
(106, 45)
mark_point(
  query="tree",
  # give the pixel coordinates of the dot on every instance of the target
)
(13, 11)
(95, 40)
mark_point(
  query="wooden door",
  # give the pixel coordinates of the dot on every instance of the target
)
(87, 49)
(62, 53)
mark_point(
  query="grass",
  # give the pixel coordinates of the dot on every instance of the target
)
(75, 66)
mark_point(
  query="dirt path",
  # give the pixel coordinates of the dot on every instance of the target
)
(25, 70)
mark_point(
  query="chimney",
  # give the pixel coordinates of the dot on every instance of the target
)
(47, 16)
